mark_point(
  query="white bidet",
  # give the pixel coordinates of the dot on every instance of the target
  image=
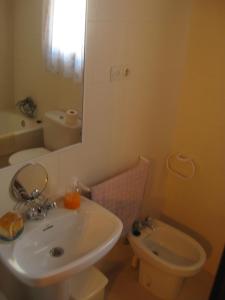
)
(167, 256)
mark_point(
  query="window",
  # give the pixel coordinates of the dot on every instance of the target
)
(64, 34)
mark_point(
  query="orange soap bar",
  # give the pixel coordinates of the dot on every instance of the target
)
(72, 200)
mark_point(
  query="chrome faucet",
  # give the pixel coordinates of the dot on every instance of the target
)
(38, 211)
(38, 208)
(27, 107)
(149, 222)
(138, 225)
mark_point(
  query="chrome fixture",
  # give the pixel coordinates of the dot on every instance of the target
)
(27, 107)
(27, 187)
(138, 225)
(29, 183)
(38, 210)
(150, 223)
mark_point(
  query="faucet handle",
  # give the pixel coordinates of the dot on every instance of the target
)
(150, 222)
(51, 205)
(148, 219)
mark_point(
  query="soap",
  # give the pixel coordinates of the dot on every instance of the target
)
(72, 200)
(11, 225)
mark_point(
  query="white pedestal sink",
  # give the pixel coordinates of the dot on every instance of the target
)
(50, 252)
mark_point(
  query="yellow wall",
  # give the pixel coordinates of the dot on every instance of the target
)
(200, 130)
(6, 55)
(126, 118)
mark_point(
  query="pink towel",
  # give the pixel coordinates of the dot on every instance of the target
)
(123, 194)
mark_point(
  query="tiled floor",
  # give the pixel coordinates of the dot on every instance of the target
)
(123, 279)
(124, 286)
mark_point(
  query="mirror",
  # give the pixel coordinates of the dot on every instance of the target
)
(41, 77)
(29, 182)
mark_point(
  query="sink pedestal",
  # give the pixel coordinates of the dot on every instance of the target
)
(60, 291)
(88, 284)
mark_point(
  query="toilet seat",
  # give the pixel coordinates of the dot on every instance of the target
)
(28, 154)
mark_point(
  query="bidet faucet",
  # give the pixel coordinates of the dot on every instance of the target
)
(149, 222)
(138, 225)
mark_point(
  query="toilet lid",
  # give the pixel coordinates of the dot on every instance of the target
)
(28, 154)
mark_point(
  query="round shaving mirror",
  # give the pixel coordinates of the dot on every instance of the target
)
(29, 182)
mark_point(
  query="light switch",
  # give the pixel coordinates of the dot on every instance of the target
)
(125, 72)
(119, 72)
(115, 73)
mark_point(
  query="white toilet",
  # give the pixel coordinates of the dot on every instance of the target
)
(27, 154)
(167, 256)
(57, 134)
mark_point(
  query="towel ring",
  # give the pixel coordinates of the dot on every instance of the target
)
(183, 158)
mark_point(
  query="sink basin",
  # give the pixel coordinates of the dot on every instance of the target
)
(63, 244)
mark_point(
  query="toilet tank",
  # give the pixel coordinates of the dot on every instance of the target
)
(57, 134)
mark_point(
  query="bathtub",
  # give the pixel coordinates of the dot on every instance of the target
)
(18, 132)
(15, 122)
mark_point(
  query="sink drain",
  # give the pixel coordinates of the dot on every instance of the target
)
(56, 252)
